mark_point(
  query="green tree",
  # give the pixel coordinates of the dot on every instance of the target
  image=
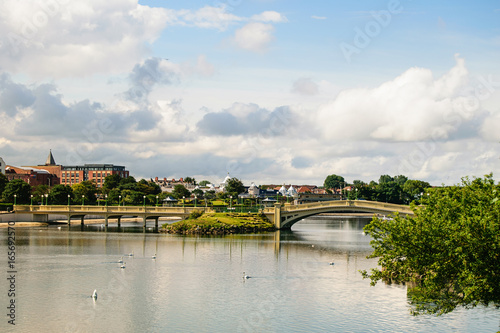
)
(385, 179)
(86, 189)
(180, 191)
(234, 186)
(3, 182)
(20, 189)
(190, 180)
(448, 251)
(59, 194)
(39, 191)
(414, 188)
(333, 181)
(204, 183)
(111, 182)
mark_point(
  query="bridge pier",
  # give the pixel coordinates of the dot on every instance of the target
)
(277, 215)
(119, 221)
(106, 221)
(82, 218)
(144, 222)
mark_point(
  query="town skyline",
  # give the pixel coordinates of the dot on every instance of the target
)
(269, 91)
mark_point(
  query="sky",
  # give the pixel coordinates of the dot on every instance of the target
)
(269, 91)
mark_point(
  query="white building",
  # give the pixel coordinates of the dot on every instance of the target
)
(2, 166)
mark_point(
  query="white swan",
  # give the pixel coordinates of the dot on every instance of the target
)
(122, 265)
(153, 257)
(120, 261)
(332, 263)
(131, 254)
(94, 295)
(245, 276)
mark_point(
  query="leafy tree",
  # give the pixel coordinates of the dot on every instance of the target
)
(385, 179)
(234, 186)
(128, 180)
(413, 188)
(199, 193)
(190, 180)
(111, 182)
(87, 189)
(204, 183)
(59, 194)
(333, 181)
(3, 182)
(448, 251)
(401, 180)
(180, 191)
(39, 191)
(17, 187)
(389, 191)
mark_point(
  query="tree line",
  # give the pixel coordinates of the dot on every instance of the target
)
(398, 189)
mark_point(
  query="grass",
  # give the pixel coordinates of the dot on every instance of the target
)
(220, 223)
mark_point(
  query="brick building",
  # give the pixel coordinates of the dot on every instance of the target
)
(75, 174)
(32, 176)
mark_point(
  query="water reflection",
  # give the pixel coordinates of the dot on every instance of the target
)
(195, 283)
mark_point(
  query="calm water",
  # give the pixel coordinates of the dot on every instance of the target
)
(195, 284)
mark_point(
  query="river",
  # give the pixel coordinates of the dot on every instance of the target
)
(196, 284)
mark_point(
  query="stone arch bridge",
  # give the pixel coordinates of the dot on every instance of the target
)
(284, 216)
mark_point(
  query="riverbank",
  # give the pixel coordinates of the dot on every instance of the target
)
(220, 224)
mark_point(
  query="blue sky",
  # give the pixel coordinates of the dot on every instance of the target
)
(267, 90)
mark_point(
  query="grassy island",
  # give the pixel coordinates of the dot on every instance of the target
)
(220, 224)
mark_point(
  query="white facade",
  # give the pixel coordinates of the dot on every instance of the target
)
(2, 166)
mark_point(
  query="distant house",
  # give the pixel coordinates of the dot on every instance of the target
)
(32, 176)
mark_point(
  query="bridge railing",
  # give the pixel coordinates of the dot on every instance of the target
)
(343, 203)
(106, 209)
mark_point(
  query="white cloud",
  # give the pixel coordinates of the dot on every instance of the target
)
(413, 106)
(254, 36)
(60, 39)
(269, 16)
(319, 17)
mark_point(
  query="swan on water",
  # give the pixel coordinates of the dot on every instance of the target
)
(245, 276)
(120, 261)
(122, 265)
(153, 257)
(332, 263)
(94, 295)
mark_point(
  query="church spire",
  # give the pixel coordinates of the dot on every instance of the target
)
(50, 159)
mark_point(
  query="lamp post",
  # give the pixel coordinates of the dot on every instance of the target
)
(31, 204)
(144, 201)
(69, 196)
(46, 199)
(195, 200)
(15, 197)
(106, 196)
(119, 200)
(156, 201)
(83, 200)
(183, 201)
(230, 202)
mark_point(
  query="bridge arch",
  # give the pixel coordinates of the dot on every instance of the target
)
(285, 217)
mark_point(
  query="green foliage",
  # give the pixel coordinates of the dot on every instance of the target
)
(449, 251)
(334, 181)
(190, 180)
(111, 182)
(3, 182)
(234, 187)
(86, 189)
(38, 192)
(59, 194)
(195, 214)
(17, 187)
(204, 183)
(180, 191)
